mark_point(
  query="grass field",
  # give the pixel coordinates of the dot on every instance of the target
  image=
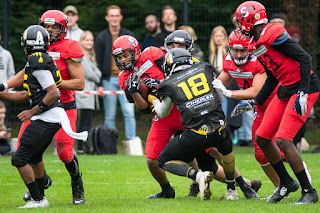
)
(119, 183)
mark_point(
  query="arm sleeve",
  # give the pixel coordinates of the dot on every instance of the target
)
(163, 108)
(268, 87)
(44, 77)
(294, 51)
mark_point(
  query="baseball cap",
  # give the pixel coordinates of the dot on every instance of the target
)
(70, 8)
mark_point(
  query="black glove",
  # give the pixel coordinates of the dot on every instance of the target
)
(2, 88)
(151, 83)
(128, 96)
(134, 83)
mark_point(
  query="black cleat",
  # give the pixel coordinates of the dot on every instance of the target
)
(249, 193)
(194, 190)
(48, 183)
(283, 191)
(308, 197)
(256, 185)
(163, 194)
(78, 191)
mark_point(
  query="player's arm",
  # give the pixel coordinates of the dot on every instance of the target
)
(77, 76)
(46, 81)
(20, 96)
(16, 81)
(293, 50)
(133, 89)
(250, 93)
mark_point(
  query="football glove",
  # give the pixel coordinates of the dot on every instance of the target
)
(219, 85)
(151, 83)
(242, 107)
(301, 102)
(153, 96)
(134, 83)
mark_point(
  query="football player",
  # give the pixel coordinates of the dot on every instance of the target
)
(289, 65)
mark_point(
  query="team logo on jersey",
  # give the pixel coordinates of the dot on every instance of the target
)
(235, 74)
(238, 70)
(203, 100)
(54, 55)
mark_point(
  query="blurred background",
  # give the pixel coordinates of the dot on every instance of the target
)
(302, 16)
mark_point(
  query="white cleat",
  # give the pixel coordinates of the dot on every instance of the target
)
(204, 179)
(307, 172)
(36, 204)
(232, 194)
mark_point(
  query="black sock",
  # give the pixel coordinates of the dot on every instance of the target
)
(192, 173)
(231, 185)
(282, 172)
(40, 184)
(304, 182)
(34, 191)
(166, 187)
(73, 169)
(242, 184)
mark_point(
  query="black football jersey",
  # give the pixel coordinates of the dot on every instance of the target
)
(39, 61)
(191, 89)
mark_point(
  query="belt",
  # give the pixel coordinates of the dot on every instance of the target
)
(205, 129)
(69, 105)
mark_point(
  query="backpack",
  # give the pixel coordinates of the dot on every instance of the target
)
(104, 140)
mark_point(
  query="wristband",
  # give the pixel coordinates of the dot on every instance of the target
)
(42, 105)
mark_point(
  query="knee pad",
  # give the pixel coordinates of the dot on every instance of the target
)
(66, 156)
(18, 161)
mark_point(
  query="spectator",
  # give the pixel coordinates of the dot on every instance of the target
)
(5, 135)
(74, 32)
(196, 50)
(6, 72)
(86, 103)
(278, 18)
(110, 71)
(168, 19)
(153, 27)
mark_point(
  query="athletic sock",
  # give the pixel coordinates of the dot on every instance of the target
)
(231, 185)
(73, 169)
(40, 184)
(241, 182)
(282, 172)
(34, 191)
(304, 182)
(166, 187)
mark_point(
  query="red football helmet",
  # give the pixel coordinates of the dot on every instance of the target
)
(123, 44)
(238, 43)
(250, 14)
(55, 17)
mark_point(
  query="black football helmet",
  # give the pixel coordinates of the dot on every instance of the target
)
(35, 39)
(175, 60)
(179, 36)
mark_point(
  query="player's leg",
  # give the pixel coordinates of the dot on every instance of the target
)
(157, 139)
(289, 126)
(64, 144)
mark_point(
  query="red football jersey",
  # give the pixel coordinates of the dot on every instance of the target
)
(60, 51)
(244, 74)
(284, 68)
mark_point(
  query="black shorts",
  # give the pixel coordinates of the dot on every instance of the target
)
(34, 141)
(190, 145)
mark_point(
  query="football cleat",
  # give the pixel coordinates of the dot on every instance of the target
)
(27, 196)
(232, 194)
(194, 190)
(308, 197)
(249, 192)
(283, 191)
(256, 185)
(78, 191)
(164, 194)
(36, 204)
(204, 179)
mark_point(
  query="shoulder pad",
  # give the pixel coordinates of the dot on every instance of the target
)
(281, 38)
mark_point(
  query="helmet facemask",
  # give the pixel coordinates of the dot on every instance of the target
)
(239, 60)
(128, 62)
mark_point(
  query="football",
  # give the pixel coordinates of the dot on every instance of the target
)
(144, 91)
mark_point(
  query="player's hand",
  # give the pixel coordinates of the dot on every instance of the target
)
(133, 83)
(25, 115)
(151, 83)
(301, 103)
(242, 107)
(219, 85)
(153, 96)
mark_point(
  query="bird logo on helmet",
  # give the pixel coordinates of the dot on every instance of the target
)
(248, 15)
(175, 60)
(124, 44)
(55, 17)
(35, 39)
(179, 36)
(237, 41)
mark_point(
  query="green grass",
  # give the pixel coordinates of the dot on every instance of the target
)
(119, 183)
